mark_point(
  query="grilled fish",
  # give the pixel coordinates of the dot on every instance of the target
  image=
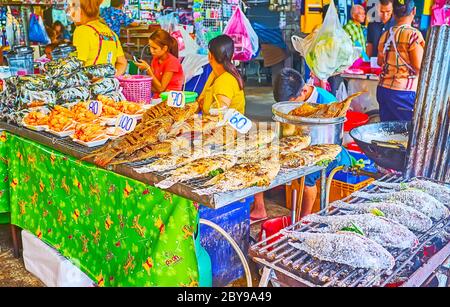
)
(243, 176)
(384, 231)
(407, 216)
(294, 143)
(197, 169)
(173, 161)
(296, 159)
(344, 248)
(324, 152)
(417, 199)
(438, 191)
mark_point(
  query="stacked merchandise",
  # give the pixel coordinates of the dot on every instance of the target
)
(66, 83)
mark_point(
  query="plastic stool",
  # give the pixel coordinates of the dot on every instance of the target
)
(272, 226)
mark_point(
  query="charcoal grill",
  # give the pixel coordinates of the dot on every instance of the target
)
(286, 266)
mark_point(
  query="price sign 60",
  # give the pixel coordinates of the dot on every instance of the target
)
(239, 122)
(95, 107)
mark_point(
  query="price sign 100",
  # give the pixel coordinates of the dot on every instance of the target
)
(126, 123)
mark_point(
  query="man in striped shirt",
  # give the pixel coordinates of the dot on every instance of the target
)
(354, 27)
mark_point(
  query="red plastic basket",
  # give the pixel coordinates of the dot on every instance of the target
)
(272, 226)
(136, 88)
(355, 119)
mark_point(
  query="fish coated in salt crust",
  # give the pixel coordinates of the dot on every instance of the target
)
(417, 199)
(344, 248)
(407, 216)
(438, 191)
(384, 231)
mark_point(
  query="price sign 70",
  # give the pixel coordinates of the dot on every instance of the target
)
(95, 107)
(176, 99)
(126, 123)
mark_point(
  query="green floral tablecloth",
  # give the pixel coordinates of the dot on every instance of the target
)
(120, 232)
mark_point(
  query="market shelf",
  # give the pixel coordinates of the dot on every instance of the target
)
(218, 200)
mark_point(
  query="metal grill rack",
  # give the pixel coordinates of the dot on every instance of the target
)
(218, 200)
(290, 266)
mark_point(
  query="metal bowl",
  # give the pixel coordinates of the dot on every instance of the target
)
(321, 130)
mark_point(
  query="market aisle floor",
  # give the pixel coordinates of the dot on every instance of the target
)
(259, 101)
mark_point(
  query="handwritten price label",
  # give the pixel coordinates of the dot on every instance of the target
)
(126, 123)
(176, 99)
(95, 107)
(238, 121)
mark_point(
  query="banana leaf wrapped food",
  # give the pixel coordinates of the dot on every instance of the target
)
(29, 99)
(33, 83)
(63, 67)
(104, 86)
(100, 71)
(76, 79)
(73, 94)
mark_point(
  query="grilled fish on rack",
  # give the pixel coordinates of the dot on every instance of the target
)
(296, 159)
(324, 152)
(167, 147)
(264, 152)
(417, 199)
(408, 216)
(294, 143)
(198, 169)
(243, 176)
(344, 248)
(384, 231)
(195, 124)
(438, 191)
(173, 161)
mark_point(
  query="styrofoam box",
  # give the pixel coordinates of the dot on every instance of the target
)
(49, 266)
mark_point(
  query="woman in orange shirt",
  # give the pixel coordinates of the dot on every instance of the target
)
(400, 53)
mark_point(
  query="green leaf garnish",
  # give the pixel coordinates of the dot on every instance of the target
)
(216, 172)
(377, 212)
(325, 162)
(353, 228)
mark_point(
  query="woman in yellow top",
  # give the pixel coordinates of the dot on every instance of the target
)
(96, 43)
(225, 87)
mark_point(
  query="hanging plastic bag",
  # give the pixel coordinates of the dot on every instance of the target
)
(440, 13)
(186, 44)
(341, 93)
(246, 43)
(36, 33)
(330, 50)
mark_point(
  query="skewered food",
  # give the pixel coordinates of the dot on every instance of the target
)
(108, 111)
(384, 231)
(294, 143)
(130, 108)
(346, 248)
(36, 118)
(197, 169)
(332, 110)
(243, 176)
(417, 199)
(438, 191)
(89, 132)
(174, 161)
(408, 216)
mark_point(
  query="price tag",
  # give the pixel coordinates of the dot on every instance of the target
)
(95, 107)
(176, 99)
(238, 121)
(126, 123)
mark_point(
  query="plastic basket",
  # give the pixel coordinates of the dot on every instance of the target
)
(136, 88)
(340, 189)
(189, 96)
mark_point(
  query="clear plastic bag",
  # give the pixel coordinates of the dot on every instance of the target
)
(246, 42)
(329, 50)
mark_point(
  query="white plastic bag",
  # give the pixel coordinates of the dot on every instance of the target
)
(190, 46)
(329, 50)
(341, 93)
(193, 65)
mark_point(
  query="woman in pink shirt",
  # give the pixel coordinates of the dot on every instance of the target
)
(165, 69)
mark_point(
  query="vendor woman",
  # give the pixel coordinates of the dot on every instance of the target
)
(225, 86)
(400, 53)
(165, 69)
(96, 43)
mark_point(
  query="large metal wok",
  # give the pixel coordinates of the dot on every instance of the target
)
(382, 142)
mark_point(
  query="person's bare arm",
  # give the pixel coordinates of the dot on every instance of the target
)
(135, 24)
(416, 56)
(121, 65)
(369, 49)
(161, 86)
(380, 60)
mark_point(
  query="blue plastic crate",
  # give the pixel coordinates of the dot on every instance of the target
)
(348, 177)
(235, 220)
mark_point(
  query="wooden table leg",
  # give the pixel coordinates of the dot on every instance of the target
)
(15, 240)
